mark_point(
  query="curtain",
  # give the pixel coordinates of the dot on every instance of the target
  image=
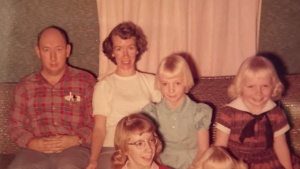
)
(215, 35)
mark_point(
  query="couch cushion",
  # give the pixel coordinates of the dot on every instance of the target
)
(7, 90)
(5, 160)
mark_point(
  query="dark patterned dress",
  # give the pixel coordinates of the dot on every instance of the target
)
(251, 136)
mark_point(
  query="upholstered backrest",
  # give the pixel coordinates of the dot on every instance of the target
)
(7, 91)
(211, 90)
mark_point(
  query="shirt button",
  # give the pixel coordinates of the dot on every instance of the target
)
(53, 108)
(173, 127)
(55, 123)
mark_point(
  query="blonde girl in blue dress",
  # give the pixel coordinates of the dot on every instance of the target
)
(183, 123)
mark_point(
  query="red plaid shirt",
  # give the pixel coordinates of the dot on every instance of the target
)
(42, 110)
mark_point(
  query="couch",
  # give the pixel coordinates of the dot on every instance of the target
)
(210, 90)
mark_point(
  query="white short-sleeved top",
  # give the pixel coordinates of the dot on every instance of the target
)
(116, 97)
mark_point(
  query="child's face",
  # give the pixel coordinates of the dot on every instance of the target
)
(141, 150)
(173, 90)
(256, 92)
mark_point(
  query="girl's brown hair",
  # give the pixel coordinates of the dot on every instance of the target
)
(137, 123)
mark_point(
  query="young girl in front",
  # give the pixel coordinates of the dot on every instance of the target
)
(183, 123)
(136, 143)
(252, 126)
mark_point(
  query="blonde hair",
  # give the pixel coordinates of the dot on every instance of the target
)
(172, 66)
(136, 123)
(217, 157)
(259, 67)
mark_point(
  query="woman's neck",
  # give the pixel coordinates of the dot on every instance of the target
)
(130, 166)
(125, 73)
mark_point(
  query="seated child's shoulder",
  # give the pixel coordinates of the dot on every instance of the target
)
(203, 107)
(150, 107)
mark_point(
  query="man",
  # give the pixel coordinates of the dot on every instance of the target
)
(52, 115)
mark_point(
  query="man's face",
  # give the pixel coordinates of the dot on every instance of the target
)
(53, 52)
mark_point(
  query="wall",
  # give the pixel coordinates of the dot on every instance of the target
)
(21, 20)
(280, 31)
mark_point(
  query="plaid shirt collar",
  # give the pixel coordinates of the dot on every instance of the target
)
(39, 78)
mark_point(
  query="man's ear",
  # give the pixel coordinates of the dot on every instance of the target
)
(69, 48)
(37, 51)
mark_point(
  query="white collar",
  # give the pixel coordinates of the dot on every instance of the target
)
(239, 104)
(153, 166)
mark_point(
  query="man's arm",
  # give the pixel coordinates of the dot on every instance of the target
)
(16, 123)
(85, 131)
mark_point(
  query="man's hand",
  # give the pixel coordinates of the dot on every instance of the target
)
(53, 144)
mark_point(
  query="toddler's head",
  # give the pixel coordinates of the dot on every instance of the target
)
(172, 66)
(218, 158)
(256, 67)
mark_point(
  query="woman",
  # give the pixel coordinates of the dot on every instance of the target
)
(136, 143)
(121, 93)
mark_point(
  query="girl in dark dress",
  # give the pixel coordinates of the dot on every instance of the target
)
(252, 126)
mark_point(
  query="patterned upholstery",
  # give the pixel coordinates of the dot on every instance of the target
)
(7, 147)
(211, 90)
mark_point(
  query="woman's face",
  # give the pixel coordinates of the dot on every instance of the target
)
(141, 150)
(124, 51)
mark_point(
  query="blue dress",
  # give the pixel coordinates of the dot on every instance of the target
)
(179, 130)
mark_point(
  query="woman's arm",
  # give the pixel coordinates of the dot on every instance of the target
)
(221, 138)
(98, 137)
(282, 151)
